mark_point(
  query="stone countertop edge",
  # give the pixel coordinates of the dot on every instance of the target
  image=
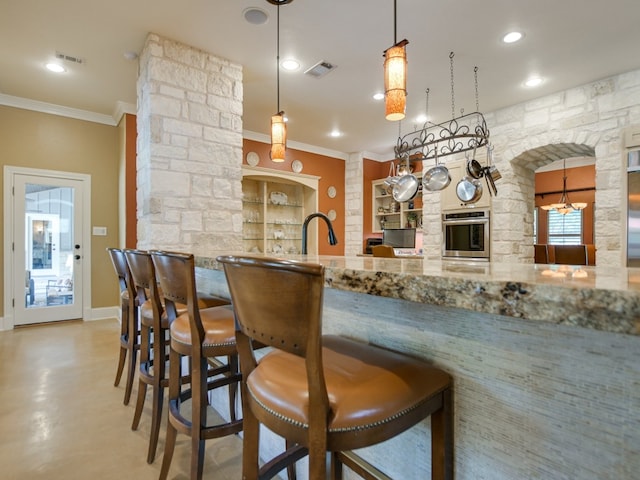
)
(599, 298)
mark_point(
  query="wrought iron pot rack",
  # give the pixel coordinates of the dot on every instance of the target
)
(457, 135)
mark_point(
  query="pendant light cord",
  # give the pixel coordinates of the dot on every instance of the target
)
(395, 21)
(278, 56)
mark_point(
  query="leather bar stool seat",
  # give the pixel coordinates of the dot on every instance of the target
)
(324, 393)
(204, 335)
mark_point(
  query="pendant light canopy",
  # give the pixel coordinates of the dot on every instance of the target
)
(564, 206)
(278, 125)
(395, 76)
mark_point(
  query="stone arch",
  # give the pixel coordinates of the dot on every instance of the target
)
(513, 212)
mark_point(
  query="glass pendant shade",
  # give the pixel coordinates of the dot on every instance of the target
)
(395, 81)
(278, 137)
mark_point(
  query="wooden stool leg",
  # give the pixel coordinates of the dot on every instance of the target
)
(174, 402)
(145, 335)
(234, 368)
(199, 402)
(132, 346)
(124, 327)
(159, 367)
(121, 360)
(442, 440)
(250, 444)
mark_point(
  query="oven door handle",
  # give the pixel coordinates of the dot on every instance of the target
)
(458, 221)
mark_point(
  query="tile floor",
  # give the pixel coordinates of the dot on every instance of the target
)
(62, 418)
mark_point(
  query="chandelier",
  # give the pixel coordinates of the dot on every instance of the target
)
(565, 206)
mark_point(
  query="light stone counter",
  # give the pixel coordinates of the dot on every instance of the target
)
(546, 368)
(600, 298)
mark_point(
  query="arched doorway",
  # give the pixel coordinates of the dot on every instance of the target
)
(524, 167)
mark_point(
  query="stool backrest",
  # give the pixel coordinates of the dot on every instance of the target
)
(277, 302)
(143, 276)
(386, 251)
(175, 273)
(122, 269)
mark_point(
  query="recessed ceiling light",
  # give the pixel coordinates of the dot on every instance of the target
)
(290, 64)
(336, 133)
(533, 82)
(421, 118)
(255, 16)
(512, 37)
(55, 67)
(378, 96)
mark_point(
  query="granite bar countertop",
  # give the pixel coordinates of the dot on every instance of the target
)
(599, 298)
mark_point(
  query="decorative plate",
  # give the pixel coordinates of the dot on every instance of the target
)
(332, 215)
(332, 192)
(296, 166)
(253, 159)
(278, 198)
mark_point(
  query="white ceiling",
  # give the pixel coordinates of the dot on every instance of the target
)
(567, 42)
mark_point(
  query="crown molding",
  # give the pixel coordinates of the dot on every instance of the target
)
(50, 108)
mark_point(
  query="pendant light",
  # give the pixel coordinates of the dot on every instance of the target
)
(278, 125)
(395, 75)
(564, 206)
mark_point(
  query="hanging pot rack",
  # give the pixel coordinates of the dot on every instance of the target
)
(458, 135)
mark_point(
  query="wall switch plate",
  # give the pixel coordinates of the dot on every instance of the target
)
(100, 231)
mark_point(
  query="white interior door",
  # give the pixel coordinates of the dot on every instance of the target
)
(47, 248)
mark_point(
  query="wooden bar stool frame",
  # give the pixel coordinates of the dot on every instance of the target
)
(300, 389)
(129, 327)
(175, 273)
(153, 343)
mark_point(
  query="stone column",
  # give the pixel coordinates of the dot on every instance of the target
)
(189, 149)
(354, 215)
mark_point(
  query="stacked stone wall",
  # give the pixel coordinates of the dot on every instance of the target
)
(189, 149)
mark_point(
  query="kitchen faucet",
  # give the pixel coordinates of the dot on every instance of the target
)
(333, 240)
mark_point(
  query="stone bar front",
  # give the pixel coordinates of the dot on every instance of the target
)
(545, 360)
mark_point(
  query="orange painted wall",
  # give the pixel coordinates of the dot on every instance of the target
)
(331, 172)
(577, 178)
(131, 235)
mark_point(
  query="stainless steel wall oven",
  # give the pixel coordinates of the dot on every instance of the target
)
(465, 235)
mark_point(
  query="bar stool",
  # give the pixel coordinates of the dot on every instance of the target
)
(324, 393)
(154, 327)
(129, 330)
(203, 335)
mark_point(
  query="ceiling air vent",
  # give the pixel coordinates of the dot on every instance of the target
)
(320, 69)
(69, 58)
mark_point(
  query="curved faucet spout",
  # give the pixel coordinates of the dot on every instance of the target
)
(333, 240)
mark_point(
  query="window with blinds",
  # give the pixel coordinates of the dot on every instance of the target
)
(565, 229)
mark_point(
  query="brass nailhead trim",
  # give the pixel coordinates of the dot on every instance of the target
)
(343, 429)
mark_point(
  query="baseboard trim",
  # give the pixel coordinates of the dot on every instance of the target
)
(101, 313)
